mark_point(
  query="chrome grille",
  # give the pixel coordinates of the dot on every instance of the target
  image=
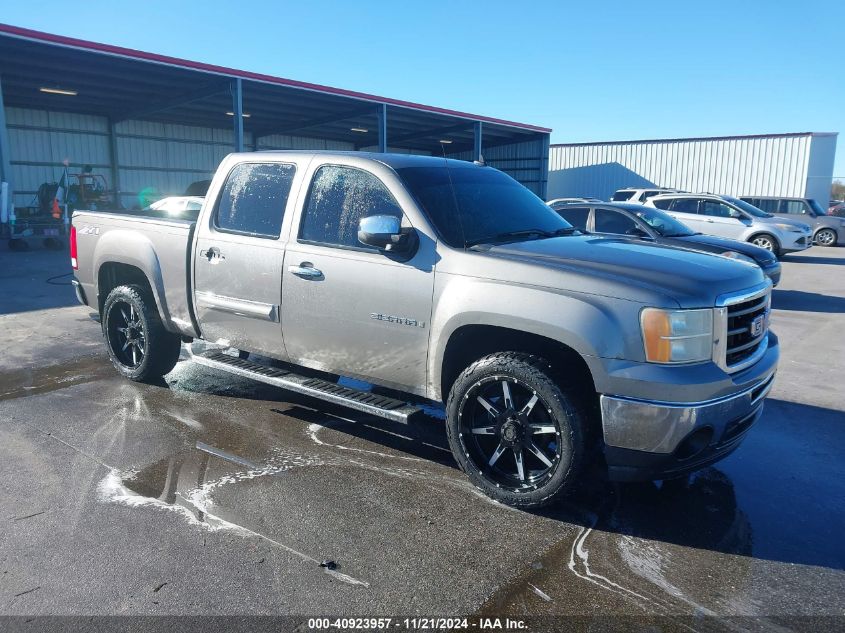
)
(747, 329)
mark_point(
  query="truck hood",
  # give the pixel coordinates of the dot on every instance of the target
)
(626, 269)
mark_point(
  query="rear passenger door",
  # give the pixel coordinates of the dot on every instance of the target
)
(238, 259)
(348, 308)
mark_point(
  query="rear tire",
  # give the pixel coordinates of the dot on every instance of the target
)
(524, 444)
(768, 242)
(138, 345)
(825, 237)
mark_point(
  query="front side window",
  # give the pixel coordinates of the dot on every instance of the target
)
(613, 222)
(685, 205)
(338, 199)
(717, 209)
(254, 198)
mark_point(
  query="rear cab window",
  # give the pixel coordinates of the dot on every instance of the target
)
(338, 198)
(254, 198)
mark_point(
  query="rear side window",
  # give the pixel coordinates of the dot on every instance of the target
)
(612, 222)
(769, 206)
(254, 198)
(338, 199)
(794, 207)
(663, 204)
(576, 216)
(622, 196)
(685, 205)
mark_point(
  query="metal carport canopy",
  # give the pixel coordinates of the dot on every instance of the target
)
(120, 83)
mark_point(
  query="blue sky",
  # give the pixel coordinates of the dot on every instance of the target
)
(592, 71)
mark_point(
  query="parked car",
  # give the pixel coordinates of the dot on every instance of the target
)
(837, 210)
(564, 200)
(725, 216)
(450, 281)
(827, 230)
(634, 194)
(177, 207)
(641, 222)
(834, 203)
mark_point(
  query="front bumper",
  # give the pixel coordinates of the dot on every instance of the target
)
(653, 439)
(794, 242)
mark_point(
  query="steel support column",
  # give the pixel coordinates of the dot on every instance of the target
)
(544, 168)
(238, 111)
(5, 156)
(114, 164)
(382, 127)
(478, 131)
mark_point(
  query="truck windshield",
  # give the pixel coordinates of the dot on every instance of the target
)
(471, 205)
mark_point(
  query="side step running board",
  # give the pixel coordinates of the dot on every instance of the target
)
(363, 401)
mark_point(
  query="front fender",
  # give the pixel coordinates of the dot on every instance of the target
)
(592, 325)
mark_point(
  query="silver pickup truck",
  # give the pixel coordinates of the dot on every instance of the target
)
(449, 281)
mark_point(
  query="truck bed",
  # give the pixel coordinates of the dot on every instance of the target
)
(158, 246)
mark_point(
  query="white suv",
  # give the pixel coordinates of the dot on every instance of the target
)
(633, 194)
(727, 216)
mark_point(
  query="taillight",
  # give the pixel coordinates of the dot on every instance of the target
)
(74, 264)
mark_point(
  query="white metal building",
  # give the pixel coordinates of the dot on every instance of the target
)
(799, 165)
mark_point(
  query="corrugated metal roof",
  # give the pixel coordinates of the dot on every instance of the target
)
(154, 58)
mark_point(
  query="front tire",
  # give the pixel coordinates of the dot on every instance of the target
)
(138, 345)
(825, 237)
(768, 242)
(518, 436)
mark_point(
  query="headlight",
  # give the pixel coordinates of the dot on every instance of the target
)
(791, 228)
(739, 256)
(677, 336)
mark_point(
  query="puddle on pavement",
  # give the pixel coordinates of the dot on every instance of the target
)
(28, 382)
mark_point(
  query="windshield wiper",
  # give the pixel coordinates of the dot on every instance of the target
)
(514, 235)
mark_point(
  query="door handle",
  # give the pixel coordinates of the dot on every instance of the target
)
(306, 270)
(709, 220)
(212, 253)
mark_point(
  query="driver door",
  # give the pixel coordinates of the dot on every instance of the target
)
(722, 220)
(348, 308)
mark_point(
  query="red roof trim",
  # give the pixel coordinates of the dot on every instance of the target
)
(185, 63)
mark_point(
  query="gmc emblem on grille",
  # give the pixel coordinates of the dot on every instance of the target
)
(757, 326)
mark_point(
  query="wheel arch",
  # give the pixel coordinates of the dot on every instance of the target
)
(469, 343)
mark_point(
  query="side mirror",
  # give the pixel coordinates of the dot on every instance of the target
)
(383, 232)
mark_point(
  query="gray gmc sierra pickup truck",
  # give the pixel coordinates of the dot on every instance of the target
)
(451, 281)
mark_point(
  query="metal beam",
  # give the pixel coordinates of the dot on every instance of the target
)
(382, 128)
(5, 157)
(114, 165)
(238, 111)
(438, 131)
(478, 132)
(174, 102)
(318, 121)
